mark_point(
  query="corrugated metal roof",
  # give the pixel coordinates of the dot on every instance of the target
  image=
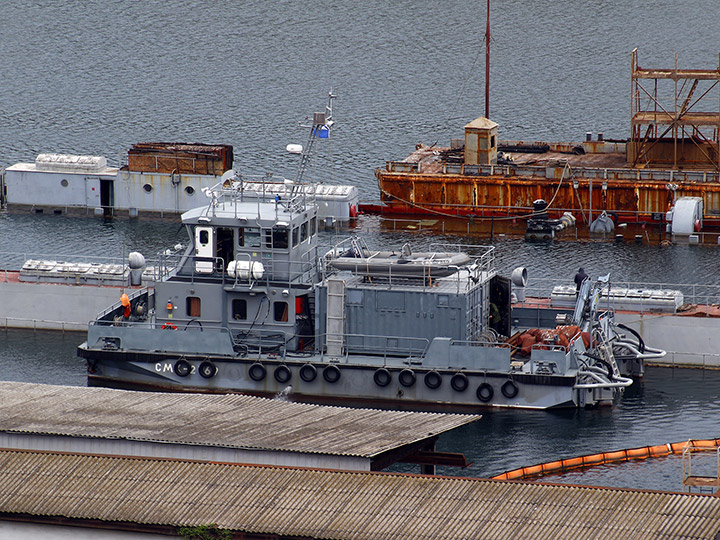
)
(227, 420)
(340, 505)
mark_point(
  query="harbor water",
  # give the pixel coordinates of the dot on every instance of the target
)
(94, 78)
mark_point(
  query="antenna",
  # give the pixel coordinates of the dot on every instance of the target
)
(320, 129)
(487, 63)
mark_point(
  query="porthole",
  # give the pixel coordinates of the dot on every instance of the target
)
(64, 183)
(190, 190)
(148, 188)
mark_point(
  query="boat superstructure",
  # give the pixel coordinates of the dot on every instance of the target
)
(255, 306)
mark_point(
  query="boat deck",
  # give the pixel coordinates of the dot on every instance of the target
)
(430, 159)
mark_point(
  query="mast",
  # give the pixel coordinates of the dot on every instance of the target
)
(487, 63)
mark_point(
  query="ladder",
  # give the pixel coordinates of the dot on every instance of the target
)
(335, 317)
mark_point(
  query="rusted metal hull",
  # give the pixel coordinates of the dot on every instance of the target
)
(512, 195)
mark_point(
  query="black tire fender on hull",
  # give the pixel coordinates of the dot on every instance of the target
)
(382, 377)
(282, 374)
(331, 373)
(308, 372)
(433, 380)
(207, 369)
(257, 372)
(182, 368)
(509, 389)
(459, 382)
(407, 377)
(485, 392)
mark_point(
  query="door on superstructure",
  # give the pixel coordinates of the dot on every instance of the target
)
(204, 248)
(107, 196)
(92, 192)
(499, 319)
(225, 247)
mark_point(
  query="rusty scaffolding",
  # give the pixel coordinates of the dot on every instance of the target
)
(667, 128)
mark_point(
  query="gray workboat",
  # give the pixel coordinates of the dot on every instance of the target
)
(253, 306)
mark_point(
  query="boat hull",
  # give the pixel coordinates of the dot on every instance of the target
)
(504, 194)
(317, 380)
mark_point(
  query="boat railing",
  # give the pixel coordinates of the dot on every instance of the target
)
(293, 345)
(294, 198)
(385, 346)
(480, 343)
(274, 271)
(358, 259)
(594, 173)
(483, 256)
(106, 316)
(461, 278)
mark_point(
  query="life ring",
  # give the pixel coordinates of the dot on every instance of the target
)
(168, 326)
(331, 374)
(182, 368)
(282, 374)
(207, 370)
(257, 372)
(509, 389)
(485, 392)
(308, 372)
(433, 380)
(459, 382)
(407, 377)
(382, 377)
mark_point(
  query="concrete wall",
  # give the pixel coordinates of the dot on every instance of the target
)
(53, 306)
(689, 341)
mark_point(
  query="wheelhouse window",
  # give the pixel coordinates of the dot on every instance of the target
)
(304, 232)
(279, 237)
(249, 237)
(239, 309)
(192, 306)
(313, 226)
(280, 311)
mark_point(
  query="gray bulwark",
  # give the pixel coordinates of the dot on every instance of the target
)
(225, 428)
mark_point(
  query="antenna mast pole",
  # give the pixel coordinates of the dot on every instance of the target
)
(487, 63)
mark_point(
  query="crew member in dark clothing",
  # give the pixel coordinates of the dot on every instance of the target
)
(579, 278)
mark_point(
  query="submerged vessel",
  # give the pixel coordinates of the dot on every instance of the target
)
(254, 306)
(159, 178)
(672, 155)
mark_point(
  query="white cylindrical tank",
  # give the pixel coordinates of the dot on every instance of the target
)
(246, 269)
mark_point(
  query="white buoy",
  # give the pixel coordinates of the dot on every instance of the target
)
(294, 148)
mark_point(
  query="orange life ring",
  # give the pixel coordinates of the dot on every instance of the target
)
(168, 326)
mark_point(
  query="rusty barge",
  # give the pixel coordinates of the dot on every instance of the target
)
(673, 152)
